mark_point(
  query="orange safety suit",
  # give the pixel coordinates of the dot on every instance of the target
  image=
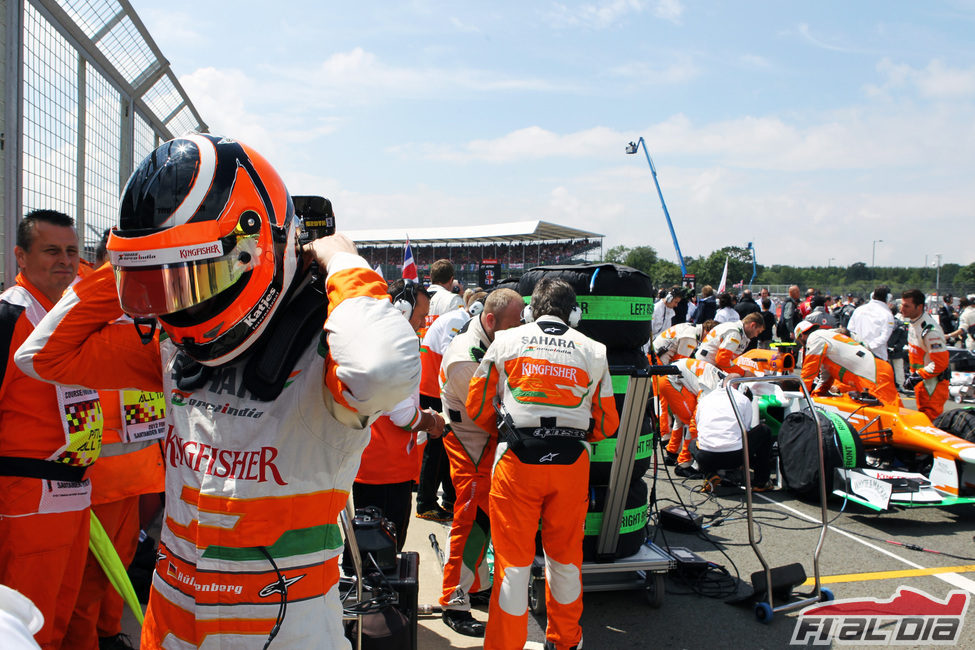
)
(130, 464)
(48, 436)
(470, 450)
(927, 354)
(839, 358)
(681, 392)
(722, 346)
(391, 463)
(253, 488)
(555, 384)
(676, 342)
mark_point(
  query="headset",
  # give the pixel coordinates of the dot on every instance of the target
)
(477, 306)
(575, 316)
(405, 299)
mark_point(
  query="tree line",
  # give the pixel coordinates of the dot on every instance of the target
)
(857, 278)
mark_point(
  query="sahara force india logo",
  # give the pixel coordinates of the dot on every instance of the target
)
(909, 617)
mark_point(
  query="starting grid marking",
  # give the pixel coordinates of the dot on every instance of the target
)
(888, 575)
(945, 574)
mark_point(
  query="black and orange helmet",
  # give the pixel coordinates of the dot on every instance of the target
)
(206, 243)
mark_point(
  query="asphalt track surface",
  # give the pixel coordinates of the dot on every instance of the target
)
(864, 555)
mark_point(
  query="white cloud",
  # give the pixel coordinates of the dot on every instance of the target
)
(600, 15)
(671, 10)
(936, 81)
(648, 73)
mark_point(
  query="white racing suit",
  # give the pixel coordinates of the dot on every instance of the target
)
(555, 384)
(470, 450)
(253, 488)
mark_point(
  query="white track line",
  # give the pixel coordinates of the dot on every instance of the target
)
(954, 579)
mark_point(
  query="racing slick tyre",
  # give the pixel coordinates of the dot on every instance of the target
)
(799, 454)
(959, 422)
(633, 527)
(616, 301)
(603, 451)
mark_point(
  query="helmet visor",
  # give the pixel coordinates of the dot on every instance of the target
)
(152, 290)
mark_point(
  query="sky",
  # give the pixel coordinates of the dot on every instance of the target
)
(826, 133)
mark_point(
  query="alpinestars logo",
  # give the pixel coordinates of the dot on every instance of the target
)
(909, 617)
(275, 587)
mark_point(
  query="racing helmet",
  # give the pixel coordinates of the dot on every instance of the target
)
(206, 244)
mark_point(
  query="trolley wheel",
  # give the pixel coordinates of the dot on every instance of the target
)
(763, 612)
(654, 589)
(826, 595)
(536, 596)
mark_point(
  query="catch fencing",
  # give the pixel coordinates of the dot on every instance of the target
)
(86, 96)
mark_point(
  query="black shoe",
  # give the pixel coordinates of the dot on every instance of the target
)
(482, 597)
(670, 459)
(436, 513)
(687, 472)
(551, 646)
(118, 642)
(463, 623)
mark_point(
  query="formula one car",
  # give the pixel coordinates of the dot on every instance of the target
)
(883, 457)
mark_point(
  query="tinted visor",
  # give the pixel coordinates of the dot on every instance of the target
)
(168, 288)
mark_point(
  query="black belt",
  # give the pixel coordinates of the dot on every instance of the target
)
(43, 469)
(556, 433)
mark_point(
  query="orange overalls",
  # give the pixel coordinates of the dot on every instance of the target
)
(681, 393)
(554, 383)
(44, 524)
(722, 346)
(849, 362)
(470, 450)
(927, 353)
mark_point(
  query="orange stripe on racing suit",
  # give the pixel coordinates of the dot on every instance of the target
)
(246, 474)
(722, 346)
(547, 375)
(927, 353)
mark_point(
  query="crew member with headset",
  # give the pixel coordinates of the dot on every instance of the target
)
(829, 356)
(269, 402)
(552, 387)
(680, 394)
(470, 450)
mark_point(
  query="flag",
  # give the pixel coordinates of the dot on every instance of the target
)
(724, 276)
(379, 270)
(409, 266)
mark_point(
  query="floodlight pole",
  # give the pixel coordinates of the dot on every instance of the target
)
(632, 148)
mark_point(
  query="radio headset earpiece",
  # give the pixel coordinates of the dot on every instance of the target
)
(575, 316)
(477, 307)
(405, 299)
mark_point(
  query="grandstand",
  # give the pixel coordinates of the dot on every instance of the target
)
(507, 248)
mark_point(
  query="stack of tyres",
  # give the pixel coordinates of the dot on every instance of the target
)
(617, 306)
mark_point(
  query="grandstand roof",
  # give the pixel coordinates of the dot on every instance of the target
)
(497, 232)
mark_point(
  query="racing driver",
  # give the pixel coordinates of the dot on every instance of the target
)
(269, 402)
